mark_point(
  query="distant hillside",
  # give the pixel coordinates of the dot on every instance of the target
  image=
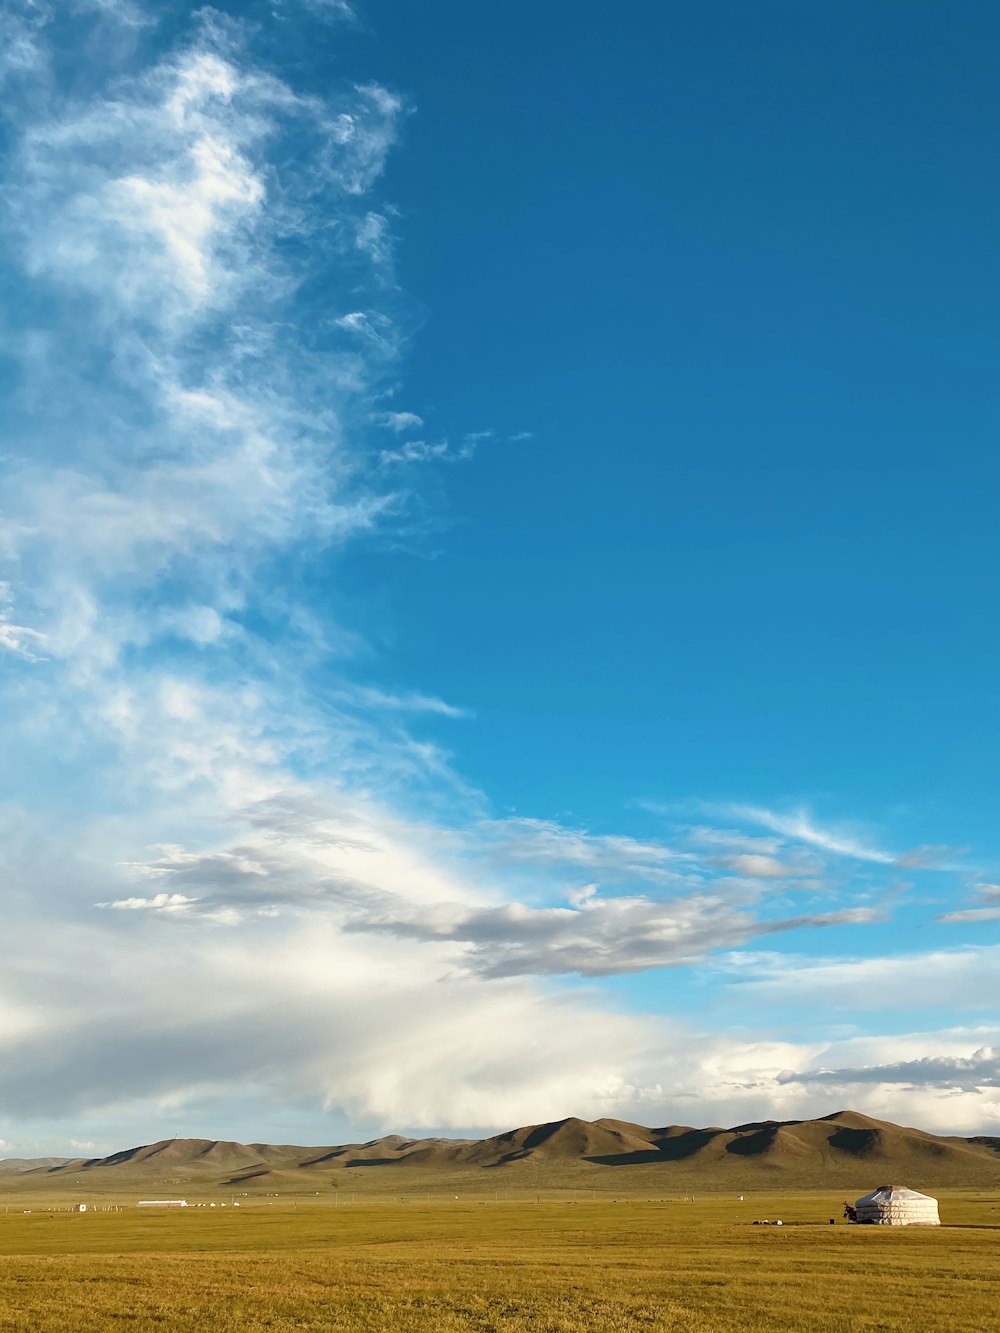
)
(842, 1148)
(30, 1163)
(835, 1145)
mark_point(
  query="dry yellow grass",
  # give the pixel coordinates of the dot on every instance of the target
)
(508, 1268)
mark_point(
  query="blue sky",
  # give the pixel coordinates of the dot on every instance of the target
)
(498, 567)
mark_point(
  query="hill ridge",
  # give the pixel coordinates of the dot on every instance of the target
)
(831, 1148)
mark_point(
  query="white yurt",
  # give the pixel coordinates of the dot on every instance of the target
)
(896, 1206)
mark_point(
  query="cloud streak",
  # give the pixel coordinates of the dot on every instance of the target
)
(597, 937)
(353, 869)
(800, 827)
(987, 908)
(963, 1073)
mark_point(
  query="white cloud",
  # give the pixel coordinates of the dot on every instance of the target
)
(373, 875)
(369, 697)
(324, 1007)
(322, 1002)
(422, 451)
(160, 211)
(23, 51)
(932, 856)
(800, 827)
(731, 841)
(330, 10)
(161, 902)
(987, 899)
(324, 1017)
(547, 843)
(595, 936)
(964, 1073)
(18, 639)
(401, 421)
(756, 865)
(945, 979)
(425, 451)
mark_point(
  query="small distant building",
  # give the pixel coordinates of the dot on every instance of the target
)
(162, 1203)
(897, 1206)
(79, 1208)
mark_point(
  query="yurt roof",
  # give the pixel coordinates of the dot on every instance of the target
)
(897, 1192)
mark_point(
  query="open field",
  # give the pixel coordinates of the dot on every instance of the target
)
(548, 1267)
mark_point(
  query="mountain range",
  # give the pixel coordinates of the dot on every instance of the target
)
(842, 1147)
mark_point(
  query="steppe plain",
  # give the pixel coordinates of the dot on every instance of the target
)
(536, 1230)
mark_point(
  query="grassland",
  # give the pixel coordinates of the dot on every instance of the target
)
(380, 1265)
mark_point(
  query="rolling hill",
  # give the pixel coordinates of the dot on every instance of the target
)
(842, 1148)
(20, 1164)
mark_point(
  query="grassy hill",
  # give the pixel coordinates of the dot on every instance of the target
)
(21, 1164)
(845, 1149)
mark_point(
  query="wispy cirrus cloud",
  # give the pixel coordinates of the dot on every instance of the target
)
(800, 827)
(546, 842)
(957, 978)
(355, 872)
(986, 907)
(725, 839)
(438, 451)
(23, 49)
(325, 9)
(157, 215)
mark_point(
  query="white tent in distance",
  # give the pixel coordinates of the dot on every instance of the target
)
(897, 1206)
